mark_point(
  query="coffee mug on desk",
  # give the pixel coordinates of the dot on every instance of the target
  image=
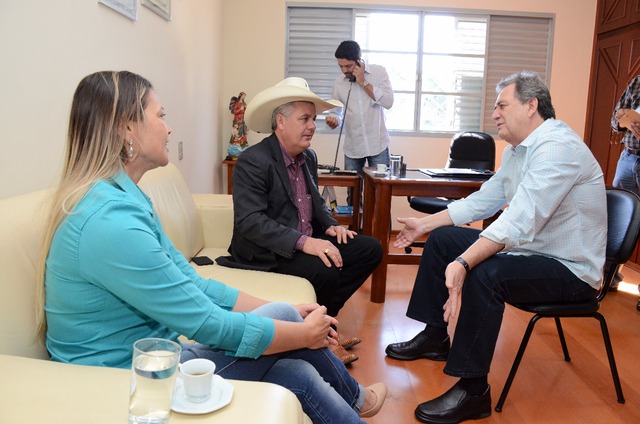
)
(381, 168)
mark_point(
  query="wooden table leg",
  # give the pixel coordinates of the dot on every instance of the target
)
(381, 231)
(368, 208)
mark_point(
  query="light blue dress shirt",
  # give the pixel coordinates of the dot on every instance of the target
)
(557, 201)
(114, 277)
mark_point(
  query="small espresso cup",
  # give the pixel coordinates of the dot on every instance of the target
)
(381, 168)
(197, 375)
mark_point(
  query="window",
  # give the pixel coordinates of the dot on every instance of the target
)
(443, 66)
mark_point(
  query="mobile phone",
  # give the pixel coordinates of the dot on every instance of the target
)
(352, 78)
(202, 260)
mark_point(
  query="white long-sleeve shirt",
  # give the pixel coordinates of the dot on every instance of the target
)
(557, 202)
(365, 132)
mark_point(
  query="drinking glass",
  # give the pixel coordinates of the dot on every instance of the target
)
(395, 163)
(153, 374)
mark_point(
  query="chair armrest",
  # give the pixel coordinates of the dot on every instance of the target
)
(216, 213)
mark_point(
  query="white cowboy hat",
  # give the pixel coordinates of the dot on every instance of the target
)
(260, 108)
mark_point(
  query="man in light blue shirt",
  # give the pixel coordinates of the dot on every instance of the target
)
(548, 245)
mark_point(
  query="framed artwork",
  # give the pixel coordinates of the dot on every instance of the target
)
(160, 7)
(128, 8)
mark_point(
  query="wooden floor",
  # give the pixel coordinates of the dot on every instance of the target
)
(546, 389)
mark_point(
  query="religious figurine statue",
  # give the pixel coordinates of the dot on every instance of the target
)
(238, 142)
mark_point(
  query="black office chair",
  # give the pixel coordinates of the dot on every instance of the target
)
(623, 222)
(471, 149)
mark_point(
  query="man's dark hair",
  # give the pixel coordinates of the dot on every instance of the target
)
(349, 50)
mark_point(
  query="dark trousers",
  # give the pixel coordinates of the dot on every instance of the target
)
(334, 287)
(500, 278)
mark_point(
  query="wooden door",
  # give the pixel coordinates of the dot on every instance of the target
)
(616, 60)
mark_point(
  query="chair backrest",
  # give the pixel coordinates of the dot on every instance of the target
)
(472, 149)
(623, 228)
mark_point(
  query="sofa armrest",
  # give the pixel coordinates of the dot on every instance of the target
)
(66, 393)
(216, 213)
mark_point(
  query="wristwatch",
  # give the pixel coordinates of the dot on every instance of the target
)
(365, 84)
(463, 262)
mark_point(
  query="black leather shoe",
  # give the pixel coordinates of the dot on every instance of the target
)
(419, 347)
(454, 406)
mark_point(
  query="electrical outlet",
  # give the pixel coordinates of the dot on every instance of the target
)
(180, 155)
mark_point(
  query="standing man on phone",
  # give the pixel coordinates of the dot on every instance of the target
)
(366, 91)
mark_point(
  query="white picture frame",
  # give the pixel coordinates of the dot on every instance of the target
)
(161, 8)
(128, 8)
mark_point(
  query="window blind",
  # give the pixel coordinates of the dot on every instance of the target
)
(514, 44)
(313, 37)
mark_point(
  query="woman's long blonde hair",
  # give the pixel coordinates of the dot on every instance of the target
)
(104, 104)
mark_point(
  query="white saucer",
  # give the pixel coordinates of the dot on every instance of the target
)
(221, 394)
(379, 174)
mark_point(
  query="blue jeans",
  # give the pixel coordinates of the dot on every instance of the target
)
(628, 172)
(359, 163)
(320, 381)
(496, 280)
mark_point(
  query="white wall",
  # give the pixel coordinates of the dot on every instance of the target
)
(48, 46)
(254, 60)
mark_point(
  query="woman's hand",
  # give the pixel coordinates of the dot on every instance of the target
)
(319, 331)
(305, 309)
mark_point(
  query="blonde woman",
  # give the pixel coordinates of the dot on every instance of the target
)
(112, 276)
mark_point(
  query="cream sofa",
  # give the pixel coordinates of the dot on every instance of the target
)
(199, 225)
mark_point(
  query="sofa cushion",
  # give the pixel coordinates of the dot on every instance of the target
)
(216, 211)
(176, 209)
(265, 285)
(22, 220)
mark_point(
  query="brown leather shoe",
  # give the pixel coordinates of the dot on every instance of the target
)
(342, 354)
(347, 342)
(380, 391)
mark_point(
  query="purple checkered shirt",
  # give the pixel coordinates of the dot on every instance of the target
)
(299, 191)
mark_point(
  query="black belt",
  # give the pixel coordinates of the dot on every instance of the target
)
(634, 152)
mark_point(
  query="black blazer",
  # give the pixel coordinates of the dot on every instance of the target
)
(265, 214)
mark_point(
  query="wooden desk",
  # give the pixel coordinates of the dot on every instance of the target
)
(377, 213)
(351, 181)
(324, 180)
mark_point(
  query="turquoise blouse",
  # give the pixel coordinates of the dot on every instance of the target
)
(113, 277)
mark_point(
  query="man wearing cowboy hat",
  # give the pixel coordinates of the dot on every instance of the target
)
(281, 222)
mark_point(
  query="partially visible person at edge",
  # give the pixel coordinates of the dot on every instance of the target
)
(281, 222)
(110, 275)
(628, 169)
(367, 86)
(548, 245)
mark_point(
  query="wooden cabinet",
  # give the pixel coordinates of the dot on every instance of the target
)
(615, 14)
(616, 60)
